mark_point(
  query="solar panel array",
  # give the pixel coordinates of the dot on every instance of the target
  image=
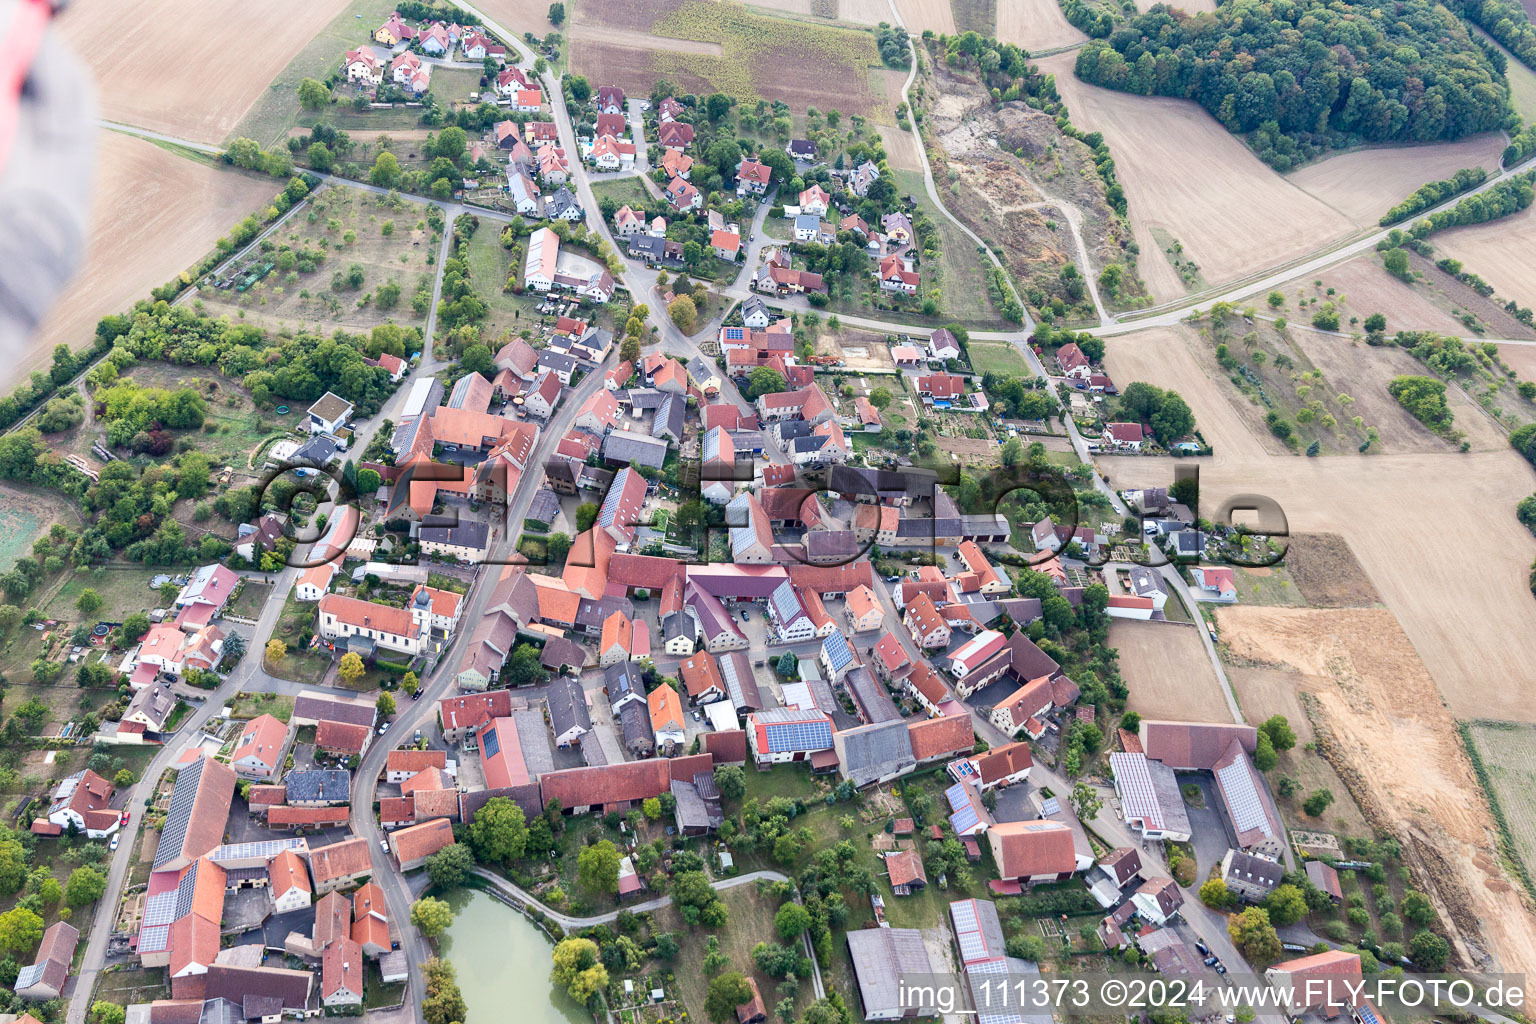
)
(839, 654)
(1242, 797)
(799, 735)
(179, 814)
(965, 816)
(1134, 781)
(490, 744)
(154, 938)
(30, 975)
(989, 999)
(266, 849)
(785, 603)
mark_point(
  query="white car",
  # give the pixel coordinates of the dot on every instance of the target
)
(383, 728)
(384, 845)
(113, 844)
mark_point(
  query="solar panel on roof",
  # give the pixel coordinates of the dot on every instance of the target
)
(1366, 1011)
(492, 743)
(160, 908)
(266, 849)
(1242, 798)
(29, 975)
(1049, 806)
(177, 816)
(155, 938)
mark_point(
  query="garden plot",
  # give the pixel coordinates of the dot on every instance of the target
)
(348, 228)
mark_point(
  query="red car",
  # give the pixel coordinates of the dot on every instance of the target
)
(124, 820)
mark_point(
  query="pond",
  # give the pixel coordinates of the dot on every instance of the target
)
(503, 964)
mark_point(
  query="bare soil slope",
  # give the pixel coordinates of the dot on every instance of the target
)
(155, 215)
(1393, 740)
(189, 67)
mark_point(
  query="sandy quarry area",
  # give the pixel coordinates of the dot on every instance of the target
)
(1503, 252)
(153, 58)
(1184, 173)
(155, 215)
(1400, 514)
(1396, 744)
(1365, 184)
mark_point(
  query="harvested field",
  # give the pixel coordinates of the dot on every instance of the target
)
(1521, 359)
(1385, 728)
(1363, 287)
(917, 15)
(1503, 252)
(1167, 670)
(1460, 621)
(1327, 574)
(1184, 173)
(153, 57)
(1366, 371)
(900, 148)
(725, 48)
(312, 299)
(1035, 25)
(155, 215)
(1263, 692)
(521, 15)
(1508, 752)
(1365, 184)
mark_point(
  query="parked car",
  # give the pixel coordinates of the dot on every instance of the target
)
(124, 819)
(1203, 948)
(384, 845)
(416, 695)
(698, 717)
(113, 845)
(383, 728)
(1210, 961)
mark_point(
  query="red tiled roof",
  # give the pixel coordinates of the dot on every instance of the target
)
(729, 747)
(414, 761)
(341, 737)
(423, 840)
(1026, 848)
(941, 737)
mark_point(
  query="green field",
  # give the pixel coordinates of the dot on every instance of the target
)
(18, 527)
(979, 16)
(626, 192)
(489, 268)
(997, 357)
(962, 271)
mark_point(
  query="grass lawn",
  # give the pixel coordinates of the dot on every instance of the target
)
(251, 599)
(626, 192)
(122, 586)
(1271, 586)
(252, 705)
(997, 357)
(490, 266)
(962, 271)
(301, 667)
(178, 714)
(128, 985)
(750, 922)
(376, 994)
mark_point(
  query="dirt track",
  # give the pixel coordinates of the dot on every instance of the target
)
(1395, 743)
(190, 67)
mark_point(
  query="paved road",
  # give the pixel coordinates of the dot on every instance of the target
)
(568, 922)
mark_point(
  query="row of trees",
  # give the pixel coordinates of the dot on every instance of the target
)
(1309, 75)
(1509, 196)
(1434, 193)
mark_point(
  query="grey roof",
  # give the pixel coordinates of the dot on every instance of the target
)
(224, 981)
(635, 449)
(156, 702)
(468, 533)
(698, 803)
(1255, 870)
(699, 369)
(880, 957)
(557, 361)
(223, 1011)
(870, 695)
(533, 737)
(635, 720)
(740, 683)
(792, 430)
(561, 653)
(753, 304)
(622, 679)
(870, 752)
(679, 624)
(321, 709)
(592, 614)
(568, 706)
(562, 200)
(871, 483)
(545, 506)
(831, 544)
(329, 786)
(670, 415)
(746, 440)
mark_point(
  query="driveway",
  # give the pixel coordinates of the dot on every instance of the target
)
(1207, 825)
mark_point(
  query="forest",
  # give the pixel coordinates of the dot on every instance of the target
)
(1304, 76)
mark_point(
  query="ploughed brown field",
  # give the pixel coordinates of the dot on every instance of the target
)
(155, 215)
(1167, 670)
(1365, 184)
(1503, 252)
(191, 68)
